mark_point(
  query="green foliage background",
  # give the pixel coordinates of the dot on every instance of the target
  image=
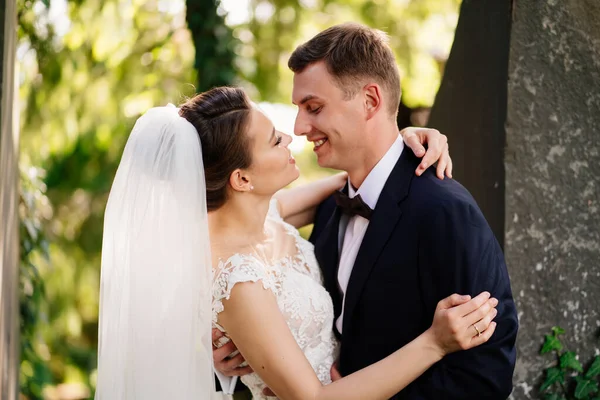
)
(567, 379)
(88, 68)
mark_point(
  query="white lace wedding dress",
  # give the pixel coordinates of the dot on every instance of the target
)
(285, 264)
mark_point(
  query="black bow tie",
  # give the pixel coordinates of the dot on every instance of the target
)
(352, 206)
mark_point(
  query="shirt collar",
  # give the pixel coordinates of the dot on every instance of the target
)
(374, 182)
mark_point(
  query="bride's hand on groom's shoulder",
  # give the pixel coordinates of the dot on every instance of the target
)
(437, 149)
(462, 322)
(226, 357)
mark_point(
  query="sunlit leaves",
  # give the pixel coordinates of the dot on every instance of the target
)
(80, 95)
(421, 33)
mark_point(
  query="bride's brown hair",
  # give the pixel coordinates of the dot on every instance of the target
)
(221, 116)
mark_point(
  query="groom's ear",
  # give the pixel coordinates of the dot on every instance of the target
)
(373, 99)
(240, 181)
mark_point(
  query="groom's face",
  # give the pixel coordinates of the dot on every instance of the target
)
(333, 123)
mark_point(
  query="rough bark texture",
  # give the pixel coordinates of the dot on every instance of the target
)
(552, 161)
(470, 107)
(532, 159)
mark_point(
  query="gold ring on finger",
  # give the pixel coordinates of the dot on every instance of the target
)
(478, 332)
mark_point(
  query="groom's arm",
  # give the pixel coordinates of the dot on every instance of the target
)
(458, 253)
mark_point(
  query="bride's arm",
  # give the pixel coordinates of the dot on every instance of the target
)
(256, 325)
(297, 205)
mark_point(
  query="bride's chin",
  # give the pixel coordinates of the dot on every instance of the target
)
(296, 173)
(294, 176)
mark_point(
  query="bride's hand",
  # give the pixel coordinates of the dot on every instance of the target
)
(437, 149)
(461, 323)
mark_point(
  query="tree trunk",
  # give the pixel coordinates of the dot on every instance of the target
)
(213, 42)
(470, 107)
(552, 239)
(9, 241)
(524, 132)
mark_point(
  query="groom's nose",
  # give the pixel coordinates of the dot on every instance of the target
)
(301, 125)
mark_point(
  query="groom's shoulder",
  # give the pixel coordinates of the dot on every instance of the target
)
(446, 198)
(322, 216)
(439, 191)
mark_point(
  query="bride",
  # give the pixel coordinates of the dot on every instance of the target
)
(218, 165)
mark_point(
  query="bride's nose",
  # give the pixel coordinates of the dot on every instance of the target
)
(287, 139)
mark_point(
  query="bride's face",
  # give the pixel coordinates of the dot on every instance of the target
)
(273, 166)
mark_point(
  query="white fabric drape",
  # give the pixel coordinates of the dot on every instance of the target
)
(155, 294)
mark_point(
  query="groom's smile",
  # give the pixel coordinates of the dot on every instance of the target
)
(318, 143)
(321, 145)
(325, 110)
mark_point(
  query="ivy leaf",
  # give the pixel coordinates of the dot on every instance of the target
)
(554, 396)
(553, 375)
(552, 343)
(585, 387)
(568, 360)
(594, 369)
(557, 330)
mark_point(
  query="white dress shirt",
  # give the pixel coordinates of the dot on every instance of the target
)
(352, 230)
(227, 384)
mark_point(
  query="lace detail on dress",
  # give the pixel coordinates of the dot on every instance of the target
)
(238, 268)
(295, 279)
(305, 251)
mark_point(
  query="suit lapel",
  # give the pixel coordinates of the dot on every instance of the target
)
(383, 222)
(327, 253)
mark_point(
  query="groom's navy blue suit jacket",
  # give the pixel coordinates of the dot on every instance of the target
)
(426, 240)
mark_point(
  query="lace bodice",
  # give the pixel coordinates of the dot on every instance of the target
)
(292, 273)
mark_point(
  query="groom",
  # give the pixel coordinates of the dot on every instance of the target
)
(388, 258)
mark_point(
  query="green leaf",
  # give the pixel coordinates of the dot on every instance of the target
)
(552, 343)
(594, 369)
(557, 330)
(553, 375)
(569, 360)
(554, 396)
(585, 387)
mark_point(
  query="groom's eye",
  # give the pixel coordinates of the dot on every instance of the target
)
(314, 110)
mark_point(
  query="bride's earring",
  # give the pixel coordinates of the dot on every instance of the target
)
(251, 187)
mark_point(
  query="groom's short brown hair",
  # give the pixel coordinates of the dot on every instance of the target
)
(352, 53)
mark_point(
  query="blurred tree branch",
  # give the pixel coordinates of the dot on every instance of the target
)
(214, 44)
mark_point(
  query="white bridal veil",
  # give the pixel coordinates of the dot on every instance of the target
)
(155, 294)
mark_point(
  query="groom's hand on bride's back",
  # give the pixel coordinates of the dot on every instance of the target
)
(226, 357)
(335, 372)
